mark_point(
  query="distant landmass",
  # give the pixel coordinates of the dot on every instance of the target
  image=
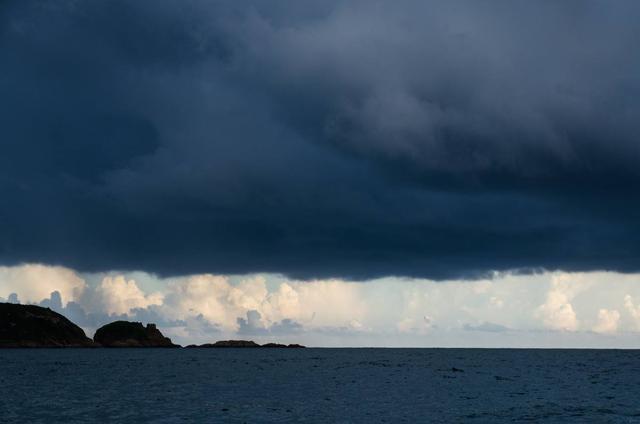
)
(35, 326)
(242, 344)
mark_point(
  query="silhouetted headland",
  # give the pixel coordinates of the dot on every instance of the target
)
(131, 334)
(35, 326)
(242, 344)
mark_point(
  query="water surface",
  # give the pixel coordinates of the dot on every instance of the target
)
(319, 385)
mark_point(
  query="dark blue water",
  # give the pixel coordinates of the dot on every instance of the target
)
(319, 385)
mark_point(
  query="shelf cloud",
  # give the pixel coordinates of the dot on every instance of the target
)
(343, 139)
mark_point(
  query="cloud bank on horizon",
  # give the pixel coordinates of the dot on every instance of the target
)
(558, 309)
(345, 139)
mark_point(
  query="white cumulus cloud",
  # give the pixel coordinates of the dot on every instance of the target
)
(34, 282)
(633, 310)
(557, 312)
(607, 321)
(117, 295)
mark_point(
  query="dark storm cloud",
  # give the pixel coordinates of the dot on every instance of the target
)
(352, 139)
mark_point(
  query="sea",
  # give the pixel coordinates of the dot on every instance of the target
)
(319, 386)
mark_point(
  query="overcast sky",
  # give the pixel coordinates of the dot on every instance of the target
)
(390, 159)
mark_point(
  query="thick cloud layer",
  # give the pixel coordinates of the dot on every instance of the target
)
(348, 138)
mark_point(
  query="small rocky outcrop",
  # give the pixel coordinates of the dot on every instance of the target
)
(242, 344)
(276, 345)
(131, 334)
(279, 345)
(228, 343)
(35, 326)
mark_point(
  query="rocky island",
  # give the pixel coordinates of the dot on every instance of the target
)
(131, 334)
(35, 326)
(279, 345)
(243, 344)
